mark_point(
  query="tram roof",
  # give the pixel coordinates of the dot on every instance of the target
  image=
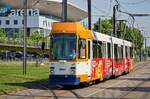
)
(50, 7)
(107, 38)
(71, 28)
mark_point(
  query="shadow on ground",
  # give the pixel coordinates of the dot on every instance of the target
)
(45, 85)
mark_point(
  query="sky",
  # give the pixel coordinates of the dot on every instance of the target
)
(101, 8)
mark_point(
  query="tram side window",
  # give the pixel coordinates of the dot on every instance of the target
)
(121, 54)
(82, 48)
(109, 50)
(99, 49)
(104, 49)
(116, 52)
(126, 50)
(131, 52)
(94, 49)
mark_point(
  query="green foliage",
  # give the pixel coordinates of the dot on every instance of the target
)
(106, 26)
(121, 29)
(2, 35)
(148, 50)
(36, 36)
(15, 36)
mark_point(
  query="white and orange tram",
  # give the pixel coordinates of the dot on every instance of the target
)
(78, 55)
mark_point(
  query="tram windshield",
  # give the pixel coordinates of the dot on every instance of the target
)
(63, 47)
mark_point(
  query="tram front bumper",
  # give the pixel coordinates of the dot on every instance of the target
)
(64, 80)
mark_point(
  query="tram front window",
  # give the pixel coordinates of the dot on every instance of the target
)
(63, 47)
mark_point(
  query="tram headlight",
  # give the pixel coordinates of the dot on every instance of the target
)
(51, 70)
(73, 70)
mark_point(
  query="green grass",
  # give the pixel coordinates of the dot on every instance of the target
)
(12, 79)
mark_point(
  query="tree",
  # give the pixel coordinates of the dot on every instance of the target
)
(15, 37)
(148, 51)
(106, 26)
(36, 37)
(2, 35)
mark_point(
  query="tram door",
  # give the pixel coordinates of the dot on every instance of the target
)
(90, 57)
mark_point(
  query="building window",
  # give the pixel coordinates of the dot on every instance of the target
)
(23, 22)
(7, 22)
(15, 22)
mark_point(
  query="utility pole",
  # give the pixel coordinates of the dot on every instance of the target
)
(113, 34)
(145, 44)
(89, 14)
(25, 38)
(64, 10)
(114, 21)
(125, 29)
(100, 26)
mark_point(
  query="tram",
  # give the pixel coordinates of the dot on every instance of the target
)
(78, 55)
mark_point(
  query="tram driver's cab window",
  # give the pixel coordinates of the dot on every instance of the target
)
(82, 48)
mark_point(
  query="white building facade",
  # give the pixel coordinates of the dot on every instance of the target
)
(13, 23)
(39, 17)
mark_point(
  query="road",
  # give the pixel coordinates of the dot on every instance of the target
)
(133, 85)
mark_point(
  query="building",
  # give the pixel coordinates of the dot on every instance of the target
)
(41, 14)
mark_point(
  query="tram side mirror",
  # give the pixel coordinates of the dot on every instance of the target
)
(43, 46)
